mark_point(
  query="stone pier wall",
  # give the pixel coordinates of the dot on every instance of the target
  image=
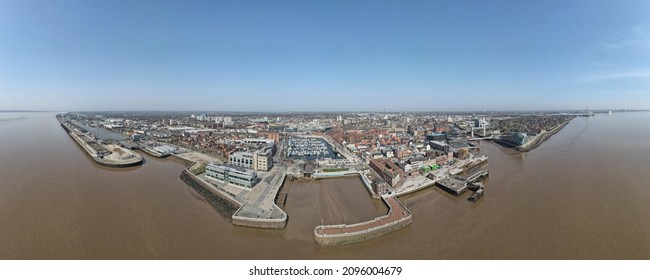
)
(226, 206)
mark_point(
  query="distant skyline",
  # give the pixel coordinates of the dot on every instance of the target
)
(324, 55)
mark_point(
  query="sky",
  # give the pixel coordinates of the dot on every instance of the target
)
(324, 55)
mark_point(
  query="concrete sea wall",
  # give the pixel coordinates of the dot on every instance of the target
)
(225, 205)
(541, 138)
(349, 238)
(344, 238)
(93, 154)
(259, 223)
(279, 222)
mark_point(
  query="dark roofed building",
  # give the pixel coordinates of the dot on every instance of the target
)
(391, 173)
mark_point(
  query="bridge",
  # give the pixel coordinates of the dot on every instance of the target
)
(482, 138)
(477, 176)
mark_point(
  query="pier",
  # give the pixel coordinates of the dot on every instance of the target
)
(478, 176)
(398, 217)
(109, 155)
(258, 208)
(453, 185)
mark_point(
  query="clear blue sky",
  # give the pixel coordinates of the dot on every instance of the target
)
(324, 55)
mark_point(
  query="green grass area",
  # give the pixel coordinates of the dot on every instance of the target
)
(335, 169)
(198, 167)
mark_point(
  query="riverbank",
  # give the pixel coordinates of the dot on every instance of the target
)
(540, 138)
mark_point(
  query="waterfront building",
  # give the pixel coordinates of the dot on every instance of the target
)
(379, 186)
(391, 173)
(231, 175)
(515, 138)
(416, 162)
(263, 160)
(242, 159)
(260, 160)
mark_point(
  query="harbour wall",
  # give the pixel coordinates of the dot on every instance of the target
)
(365, 181)
(224, 204)
(260, 223)
(416, 189)
(268, 223)
(91, 152)
(371, 232)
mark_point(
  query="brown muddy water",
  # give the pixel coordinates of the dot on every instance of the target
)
(585, 194)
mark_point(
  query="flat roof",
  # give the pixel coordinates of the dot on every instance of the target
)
(453, 184)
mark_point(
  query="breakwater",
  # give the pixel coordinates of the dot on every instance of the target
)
(116, 157)
(268, 223)
(398, 217)
(221, 203)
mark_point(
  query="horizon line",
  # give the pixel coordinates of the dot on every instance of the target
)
(327, 111)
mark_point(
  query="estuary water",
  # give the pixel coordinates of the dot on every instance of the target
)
(583, 194)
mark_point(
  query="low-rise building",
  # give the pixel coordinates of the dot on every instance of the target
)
(440, 146)
(231, 175)
(263, 159)
(391, 173)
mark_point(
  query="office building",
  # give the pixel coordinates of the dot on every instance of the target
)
(231, 175)
(260, 160)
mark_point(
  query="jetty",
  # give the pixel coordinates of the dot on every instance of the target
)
(398, 217)
(105, 154)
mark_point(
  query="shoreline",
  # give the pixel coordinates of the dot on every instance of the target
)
(541, 138)
(257, 207)
(535, 142)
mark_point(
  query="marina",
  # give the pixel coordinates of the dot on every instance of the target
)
(308, 148)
